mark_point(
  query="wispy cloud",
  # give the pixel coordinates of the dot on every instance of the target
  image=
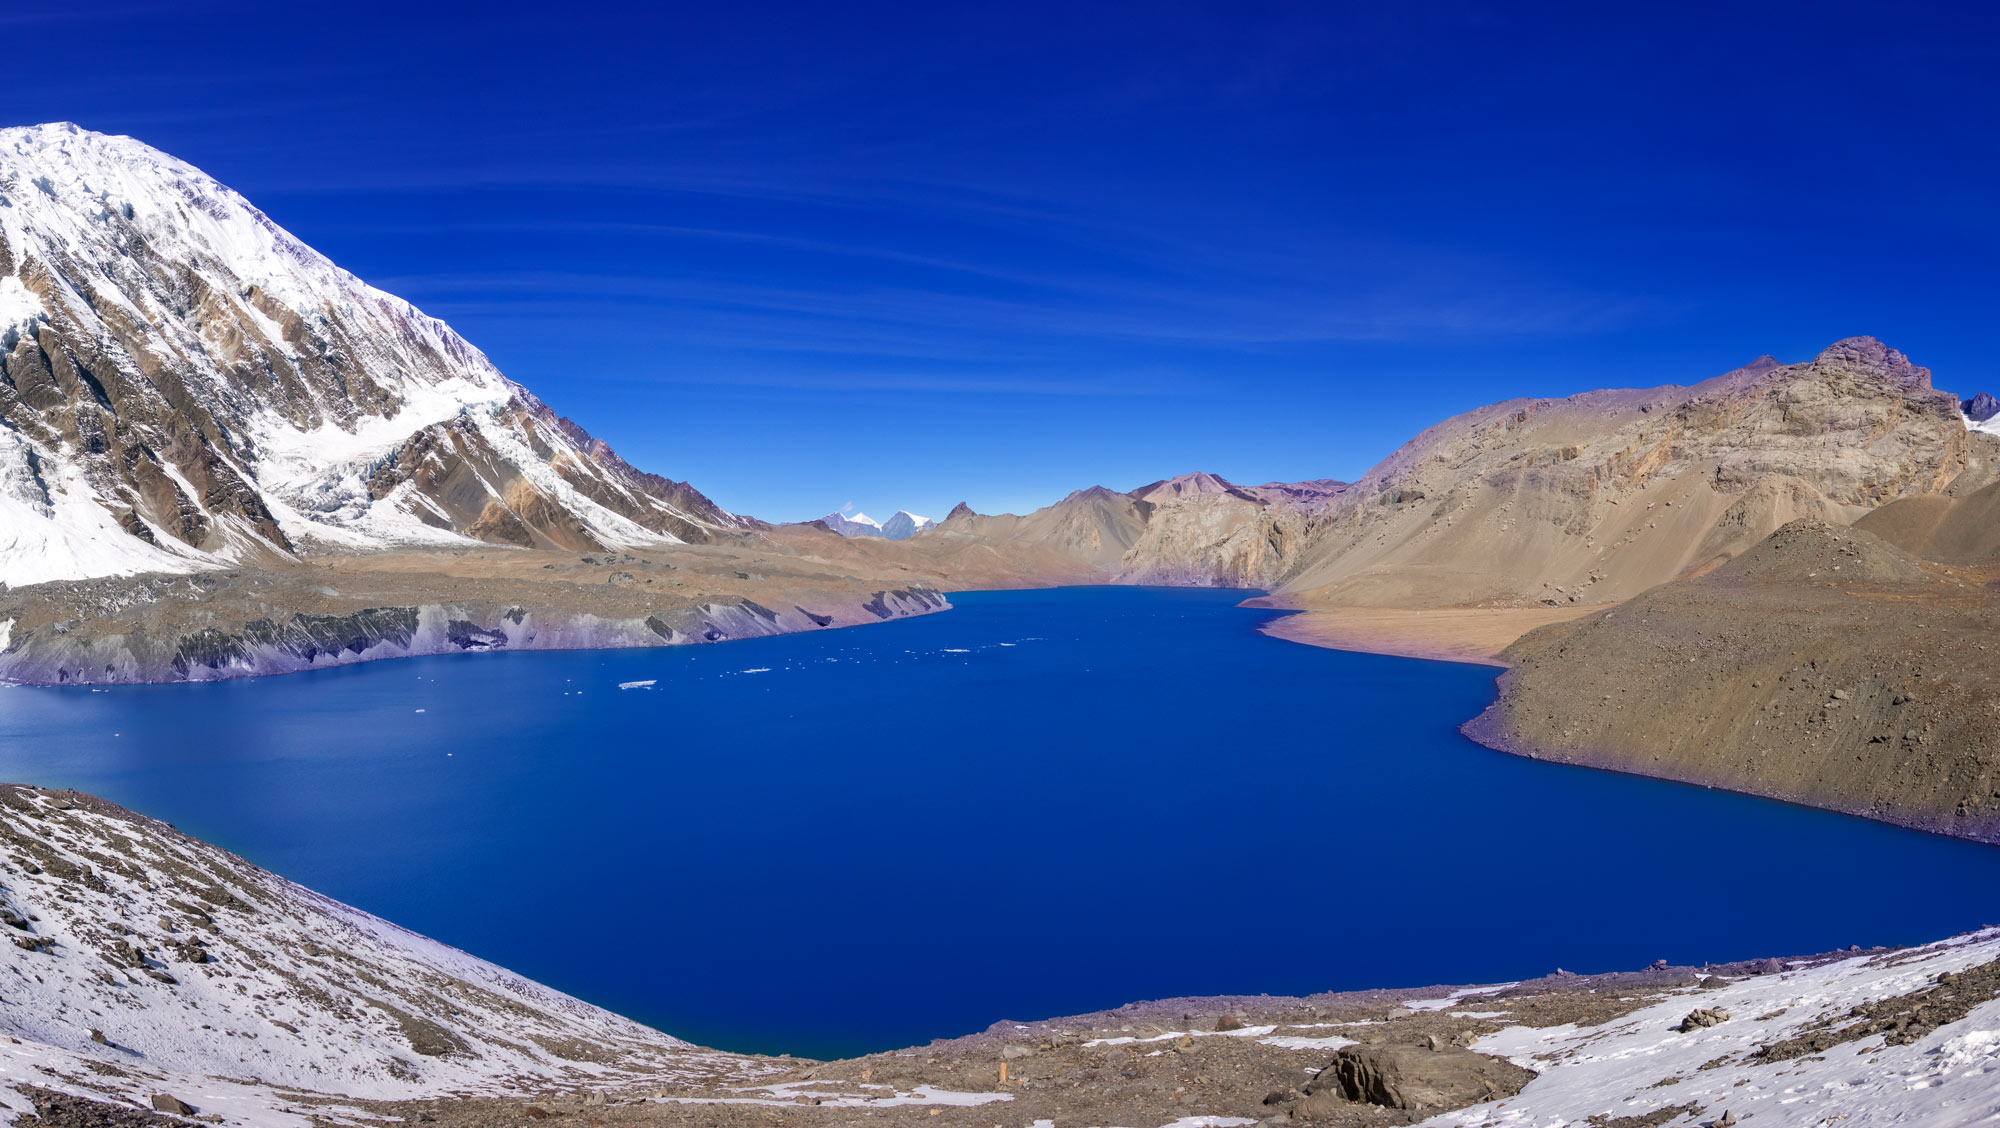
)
(1102, 310)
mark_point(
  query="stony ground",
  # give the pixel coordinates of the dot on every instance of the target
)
(1824, 667)
(1235, 1060)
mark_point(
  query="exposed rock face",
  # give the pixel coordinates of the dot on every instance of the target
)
(1981, 407)
(1416, 1078)
(1825, 666)
(183, 383)
(1599, 496)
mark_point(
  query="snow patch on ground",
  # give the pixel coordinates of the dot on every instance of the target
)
(1302, 1042)
(1175, 1035)
(1452, 999)
(1639, 1064)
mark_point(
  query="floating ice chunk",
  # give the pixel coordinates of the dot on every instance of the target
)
(647, 684)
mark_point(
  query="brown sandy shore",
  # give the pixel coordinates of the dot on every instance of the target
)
(1455, 634)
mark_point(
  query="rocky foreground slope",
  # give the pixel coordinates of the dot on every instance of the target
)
(143, 962)
(1825, 666)
(156, 980)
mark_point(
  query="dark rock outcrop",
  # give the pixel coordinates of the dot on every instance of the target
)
(1418, 1078)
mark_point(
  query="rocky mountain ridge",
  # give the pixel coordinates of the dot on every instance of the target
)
(1587, 499)
(902, 526)
(1596, 497)
(1197, 529)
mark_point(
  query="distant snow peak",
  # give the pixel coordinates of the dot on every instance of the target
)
(902, 526)
(905, 525)
(857, 524)
(1980, 411)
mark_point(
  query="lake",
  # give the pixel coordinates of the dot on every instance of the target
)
(1041, 803)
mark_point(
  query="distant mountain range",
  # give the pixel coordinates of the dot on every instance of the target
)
(902, 526)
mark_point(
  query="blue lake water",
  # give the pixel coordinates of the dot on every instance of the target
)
(1041, 803)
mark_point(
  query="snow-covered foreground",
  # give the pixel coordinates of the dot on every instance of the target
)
(1641, 1063)
(143, 962)
(147, 964)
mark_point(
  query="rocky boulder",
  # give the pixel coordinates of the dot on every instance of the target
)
(1418, 1078)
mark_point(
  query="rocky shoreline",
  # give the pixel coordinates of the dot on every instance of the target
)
(212, 626)
(1825, 667)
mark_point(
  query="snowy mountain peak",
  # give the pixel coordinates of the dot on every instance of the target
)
(855, 524)
(184, 383)
(905, 525)
(902, 526)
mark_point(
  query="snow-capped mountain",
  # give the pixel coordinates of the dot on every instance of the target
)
(183, 383)
(855, 525)
(902, 526)
(905, 525)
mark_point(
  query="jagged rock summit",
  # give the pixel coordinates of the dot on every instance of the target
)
(1981, 408)
(185, 384)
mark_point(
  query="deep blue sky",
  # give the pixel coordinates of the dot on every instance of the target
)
(904, 255)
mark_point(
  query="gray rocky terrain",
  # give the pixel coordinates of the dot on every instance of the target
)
(212, 625)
